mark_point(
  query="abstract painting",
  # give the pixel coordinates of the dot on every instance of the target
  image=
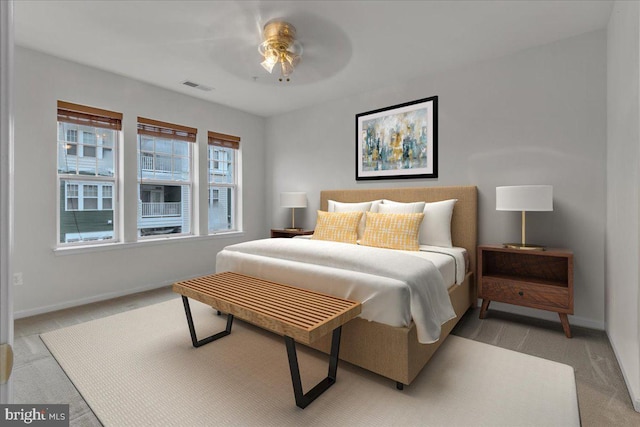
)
(400, 141)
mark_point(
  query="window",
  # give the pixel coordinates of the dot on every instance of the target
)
(85, 174)
(222, 154)
(90, 197)
(107, 197)
(72, 137)
(165, 180)
(89, 142)
(214, 195)
(72, 197)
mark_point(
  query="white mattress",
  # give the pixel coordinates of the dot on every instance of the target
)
(393, 288)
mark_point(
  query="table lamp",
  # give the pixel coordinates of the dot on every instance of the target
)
(524, 198)
(293, 200)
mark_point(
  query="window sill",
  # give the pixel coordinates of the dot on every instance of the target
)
(83, 249)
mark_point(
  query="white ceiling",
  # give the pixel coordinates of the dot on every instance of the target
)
(349, 46)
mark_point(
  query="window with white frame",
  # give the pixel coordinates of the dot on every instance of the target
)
(89, 196)
(86, 174)
(107, 197)
(223, 157)
(89, 142)
(165, 178)
(72, 195)
(72, 142)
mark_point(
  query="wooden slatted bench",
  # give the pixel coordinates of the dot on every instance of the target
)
(297, 314)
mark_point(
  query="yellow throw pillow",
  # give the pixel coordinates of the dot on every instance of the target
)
(392, 231)
(337, 226)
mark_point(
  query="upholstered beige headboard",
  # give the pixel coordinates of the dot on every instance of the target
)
(464, 223)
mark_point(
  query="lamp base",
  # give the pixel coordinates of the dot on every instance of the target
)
(524, 247)
(293, 229)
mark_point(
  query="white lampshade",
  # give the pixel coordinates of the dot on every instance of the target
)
(524, 198)
(293, 200)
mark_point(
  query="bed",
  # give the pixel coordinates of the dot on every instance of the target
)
(394, 348)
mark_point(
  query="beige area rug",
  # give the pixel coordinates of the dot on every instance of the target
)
(138, 368)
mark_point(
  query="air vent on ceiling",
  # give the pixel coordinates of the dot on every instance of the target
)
(197, 86)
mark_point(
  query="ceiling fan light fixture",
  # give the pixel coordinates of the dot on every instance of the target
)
(286, 69)
(280, 47)
(268, 65)
(270, 60)
(291, 58)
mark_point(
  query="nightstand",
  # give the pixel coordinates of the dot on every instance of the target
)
(536, 279)
(279, 232)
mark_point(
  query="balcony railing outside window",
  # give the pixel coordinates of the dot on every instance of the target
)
(162, 164)
(150, 210)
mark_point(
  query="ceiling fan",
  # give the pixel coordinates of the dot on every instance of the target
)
(280, 48)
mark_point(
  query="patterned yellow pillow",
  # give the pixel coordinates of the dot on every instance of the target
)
(392, 231)
(337, 226)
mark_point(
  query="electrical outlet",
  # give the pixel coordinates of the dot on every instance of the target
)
(17, 279)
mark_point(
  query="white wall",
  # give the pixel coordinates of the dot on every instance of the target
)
(54, 280)
(623, 157)
(535, 117)
(6, 177)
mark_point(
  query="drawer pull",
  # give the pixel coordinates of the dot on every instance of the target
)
(521, 293)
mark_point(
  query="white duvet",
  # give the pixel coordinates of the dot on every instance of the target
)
(393, 287)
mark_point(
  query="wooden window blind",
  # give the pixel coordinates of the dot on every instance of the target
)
(166, 130)
(223, 140)
(88, 116)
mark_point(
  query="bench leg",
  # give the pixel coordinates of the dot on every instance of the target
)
(302, 399)
(192, 329)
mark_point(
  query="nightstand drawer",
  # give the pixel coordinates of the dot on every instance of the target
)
(527, 294)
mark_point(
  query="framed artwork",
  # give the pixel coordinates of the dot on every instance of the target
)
(400, 141)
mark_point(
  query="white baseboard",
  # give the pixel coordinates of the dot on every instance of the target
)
(96, 298)
(547, 315)
(635, 399)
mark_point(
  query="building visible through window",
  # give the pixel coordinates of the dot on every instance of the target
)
(88, 139)
(223, 157)
(164, 178)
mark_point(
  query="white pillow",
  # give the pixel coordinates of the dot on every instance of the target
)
(351, 207)
(436, 226)
(375, 204)
(389, 206)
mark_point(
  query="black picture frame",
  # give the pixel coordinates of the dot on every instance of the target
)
(398, 142)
